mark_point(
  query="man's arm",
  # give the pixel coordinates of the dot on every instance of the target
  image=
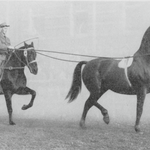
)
(3, 47)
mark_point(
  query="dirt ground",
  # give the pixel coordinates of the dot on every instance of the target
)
(40, 134)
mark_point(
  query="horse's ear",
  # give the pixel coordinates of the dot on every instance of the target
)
(32, 44)
(25, 44)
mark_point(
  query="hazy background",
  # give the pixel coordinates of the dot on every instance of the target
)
(98, 28)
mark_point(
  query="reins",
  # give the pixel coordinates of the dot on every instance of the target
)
(41, 51)
(71, 54)
(56, 58)
(10, 67)
(74, 54)
(81, 55)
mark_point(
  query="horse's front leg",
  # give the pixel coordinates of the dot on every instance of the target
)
(8, 96)
(140, 102)
(25, 91)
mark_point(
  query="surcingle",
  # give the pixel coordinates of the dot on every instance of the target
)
(125, 63)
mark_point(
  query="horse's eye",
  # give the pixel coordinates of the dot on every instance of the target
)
(25, 53)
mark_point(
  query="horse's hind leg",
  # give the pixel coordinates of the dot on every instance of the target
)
(103, 111)
(92, 100)
(87, 106)
(25, 91)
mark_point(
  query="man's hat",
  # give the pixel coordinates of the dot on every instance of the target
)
(3, 25)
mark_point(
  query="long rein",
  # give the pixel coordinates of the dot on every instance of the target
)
(38, 51)
(66, 60)
(81, 55)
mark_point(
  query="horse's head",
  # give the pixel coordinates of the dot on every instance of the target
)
(29, 55)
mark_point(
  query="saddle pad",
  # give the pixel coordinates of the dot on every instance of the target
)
(125, 63)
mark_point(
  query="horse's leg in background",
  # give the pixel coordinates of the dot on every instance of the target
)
(25, 91)
(94, 84)
(88, 104)
(140, 102)
(8, 96)
(103, 111)
(92, 100)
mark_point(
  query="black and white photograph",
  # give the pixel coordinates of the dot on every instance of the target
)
(74, 75)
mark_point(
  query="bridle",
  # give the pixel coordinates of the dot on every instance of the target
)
(27, 63)
(26, 58)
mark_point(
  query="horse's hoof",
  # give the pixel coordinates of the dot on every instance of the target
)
(137, 129)
(24, 107)
(12, 123)
(106, 119)
(82, 125)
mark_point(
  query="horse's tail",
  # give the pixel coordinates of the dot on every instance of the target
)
(76, 83)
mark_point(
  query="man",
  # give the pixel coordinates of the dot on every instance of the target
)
(4, 41)
(5, 45)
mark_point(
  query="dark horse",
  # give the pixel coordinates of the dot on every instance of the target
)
(14, 80)
(101, 74)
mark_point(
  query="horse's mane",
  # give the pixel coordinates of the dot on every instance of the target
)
(22, 47)
(145, 43)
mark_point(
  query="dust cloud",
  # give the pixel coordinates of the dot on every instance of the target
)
(85, 27)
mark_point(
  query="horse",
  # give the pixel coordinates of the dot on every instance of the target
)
(102, 74)
(13, 80)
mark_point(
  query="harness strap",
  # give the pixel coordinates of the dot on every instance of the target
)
(126, 73)
(32, 62)
(11, 68)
